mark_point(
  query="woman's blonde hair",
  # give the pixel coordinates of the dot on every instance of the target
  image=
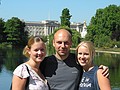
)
(90, 47)
(31, 41)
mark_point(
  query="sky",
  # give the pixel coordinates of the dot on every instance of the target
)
(39, 10)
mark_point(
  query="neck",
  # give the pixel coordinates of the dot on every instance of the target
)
(33, 64)
(87, 67)
(36, 68)
(61, 57)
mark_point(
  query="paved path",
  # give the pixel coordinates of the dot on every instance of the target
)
(101, 51)
(108, 52)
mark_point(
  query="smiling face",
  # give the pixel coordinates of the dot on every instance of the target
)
(37, 51)
(85, 54)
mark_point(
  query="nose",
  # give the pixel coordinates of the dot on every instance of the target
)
(82, 56)
(63, 44)
(39, 52)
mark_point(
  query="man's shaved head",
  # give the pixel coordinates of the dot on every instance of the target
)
(63, 33)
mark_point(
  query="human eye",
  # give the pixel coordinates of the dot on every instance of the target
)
(59, 42)
(86, 53)
(42, 49)
(79, 53)
(66, 43)
(35, 50)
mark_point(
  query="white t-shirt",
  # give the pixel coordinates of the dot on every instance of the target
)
(35, 82)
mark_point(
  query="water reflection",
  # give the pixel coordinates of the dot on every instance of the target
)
(11, 58)
(113, 62)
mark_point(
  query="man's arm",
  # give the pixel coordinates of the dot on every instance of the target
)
(105, 70)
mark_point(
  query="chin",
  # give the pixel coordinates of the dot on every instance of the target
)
(82, 64)
(62, 54)
(39, 60)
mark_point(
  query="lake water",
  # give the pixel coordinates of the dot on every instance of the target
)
(11, 58)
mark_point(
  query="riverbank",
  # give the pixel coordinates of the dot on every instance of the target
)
(102, 50)
(107, 52)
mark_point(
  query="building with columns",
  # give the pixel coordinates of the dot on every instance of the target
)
(47, 27)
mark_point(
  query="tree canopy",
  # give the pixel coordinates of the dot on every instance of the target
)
(2, 35)
(65, 18)
(14, 30)
(105, 27)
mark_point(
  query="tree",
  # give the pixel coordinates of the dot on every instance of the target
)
(14, 29)
(65, 18)
(105, 26)
(76, 38)
(2, 35)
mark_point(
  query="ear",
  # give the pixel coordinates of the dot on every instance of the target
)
(53, 42)
(28, 50)
(71, 44)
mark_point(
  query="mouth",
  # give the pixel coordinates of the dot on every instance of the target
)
(63, 50)
(83, 61)
(39, 57)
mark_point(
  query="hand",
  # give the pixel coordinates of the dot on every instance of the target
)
(105, 70)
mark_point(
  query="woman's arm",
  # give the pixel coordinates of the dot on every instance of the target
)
(18, 83)
(104, 82)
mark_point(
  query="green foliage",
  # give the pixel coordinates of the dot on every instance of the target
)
(14, 30)
(76, 38)
(102, 40)
(50, 47)
(2, 35)
(105, 26)
(65, 18)
(45, 38)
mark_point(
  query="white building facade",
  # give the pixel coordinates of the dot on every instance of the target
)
(47, 27)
